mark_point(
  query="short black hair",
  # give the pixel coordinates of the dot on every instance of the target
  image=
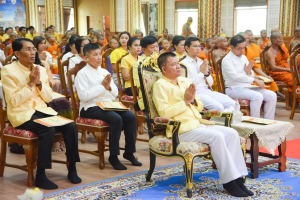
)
(148, 40)
(177, 39)
(72, 28)
(48, 28)
(124, 32)
(21, 28)
(6, 29)
(131, 41)
(89, 47)
(189, 41)
(73, 38)
(79, 41)
(30, 27)
(162, 59)
(235, 40)
(51, 26)
(17, 45)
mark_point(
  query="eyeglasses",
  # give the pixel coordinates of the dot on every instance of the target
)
(196, 46)
(30, 49)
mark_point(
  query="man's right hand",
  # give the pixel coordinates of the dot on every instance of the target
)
(106, 81)
(189, 94)
(34, 77)
(259, 82)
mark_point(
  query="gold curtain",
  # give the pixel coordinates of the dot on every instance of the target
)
(133, 10)
(209, 13)
(289, 16)
(31, 13)
(161, 16)
(112, 15)
(54, 14)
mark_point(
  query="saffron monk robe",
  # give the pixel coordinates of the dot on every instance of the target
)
(263, 40)
(277, 60)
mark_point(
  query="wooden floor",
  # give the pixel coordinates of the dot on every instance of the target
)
(14, 182)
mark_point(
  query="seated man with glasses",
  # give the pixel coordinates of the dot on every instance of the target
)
(199, 75)
(27, 91)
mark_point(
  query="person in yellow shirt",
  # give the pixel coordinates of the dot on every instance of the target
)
(149, 45)
(8, 31)
(118, 53)
(27, 91)
(57, 39)
(126, 63)
(178, 44)
(31, 34)
(22, 32)
(175, 98)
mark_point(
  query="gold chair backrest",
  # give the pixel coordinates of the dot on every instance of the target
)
(263, 60)
(219, 74)
(294, 67)
(104, 58)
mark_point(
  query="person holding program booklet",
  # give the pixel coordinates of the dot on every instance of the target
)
(94, 85)
(26, 102)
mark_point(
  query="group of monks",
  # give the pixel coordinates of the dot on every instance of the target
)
(277, 56)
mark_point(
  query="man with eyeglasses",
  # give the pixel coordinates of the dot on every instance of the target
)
(199, 75)
(27, 91)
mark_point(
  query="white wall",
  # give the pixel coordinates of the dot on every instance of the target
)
(170, 16)
(227, 11)
(120, 11)
(273, 15)
(149, 1)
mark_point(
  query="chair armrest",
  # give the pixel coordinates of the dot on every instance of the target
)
(211, 113)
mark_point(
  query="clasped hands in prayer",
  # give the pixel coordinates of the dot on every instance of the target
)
(34, 77)
(189, 95)
(106, 82)
(257, 80)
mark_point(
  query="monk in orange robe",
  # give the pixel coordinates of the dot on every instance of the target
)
(277, 59)
(209, 44)
(8, 48)
(263, 39)
(186, 28)
(296, 39)
(51, 46)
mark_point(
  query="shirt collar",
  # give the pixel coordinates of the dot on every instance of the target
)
(189, 59)
(235, 56)
(168, 80)
(22, 66)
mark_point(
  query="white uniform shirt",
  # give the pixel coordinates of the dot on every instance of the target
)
(195, 75)
(2, 56)
(90, 90)
(66, 56)
(72, 62)
(49, 58)
(233, 69)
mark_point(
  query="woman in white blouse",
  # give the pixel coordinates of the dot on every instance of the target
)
(94, 84)
(70, 49)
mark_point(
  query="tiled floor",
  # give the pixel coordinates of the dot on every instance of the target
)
(14, 181)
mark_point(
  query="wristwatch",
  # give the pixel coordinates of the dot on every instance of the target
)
(39, 84)
(193, 102)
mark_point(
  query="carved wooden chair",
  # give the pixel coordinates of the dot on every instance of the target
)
(2, 47)
(290, 45)
(62, 71)
(296, 79)
(295, 48)
(9, 59)
(244, 103)
(281, 85)
(99, 128)
(24, 138)
(104, 58)
(123, 97)
(60, 47)
(210, 60)
(159, 143)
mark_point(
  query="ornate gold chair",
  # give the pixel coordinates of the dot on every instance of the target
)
(159, 144)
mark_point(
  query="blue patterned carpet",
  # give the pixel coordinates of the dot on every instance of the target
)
(168, 183)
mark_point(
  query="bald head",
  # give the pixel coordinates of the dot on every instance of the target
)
(190, 19)
(274, 30)
(275, 36)
(220, 39)
(208, 41)
(222, 42)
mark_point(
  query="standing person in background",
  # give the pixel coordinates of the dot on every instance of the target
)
(118, 53)
(186, 28)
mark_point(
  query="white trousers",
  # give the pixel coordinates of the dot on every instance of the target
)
(256, 98)
(215, 100)
(225, 149)
(1, 96)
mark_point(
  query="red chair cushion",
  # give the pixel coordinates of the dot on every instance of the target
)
(279, 82)
(19, 132)
(298, 90)
(141, 113)
(127, 98)
(244, 102)
(91, 122)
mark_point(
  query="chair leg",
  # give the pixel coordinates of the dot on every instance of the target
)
(3, 156)
(152, 166)
(83, 137)
(293, 107)
(287, 98)
(100, 137)
(29, 152)
(188, 162)
(141, 128)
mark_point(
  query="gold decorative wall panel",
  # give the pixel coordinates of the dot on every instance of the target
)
(133, 10)
(161, 16)
(112, 15)
(31, 13)
(209, 13)
(289, 16)
(54, 14)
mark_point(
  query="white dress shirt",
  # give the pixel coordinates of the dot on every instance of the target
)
(90, 90)
(66, 56)
(2, 56)
(195, 75)
(233, 69)
(49, 58)
(72, 62)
